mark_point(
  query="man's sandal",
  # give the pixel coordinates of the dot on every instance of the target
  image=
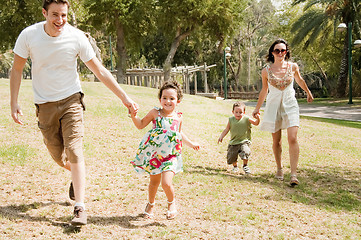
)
(294, 181)
(171, 214)
(145, 213)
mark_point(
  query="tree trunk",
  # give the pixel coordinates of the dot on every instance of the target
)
(249, 64)
(342, 78)
(167, 67)
(93, 43)
(122, 52)
(238, 74)
(321, 69)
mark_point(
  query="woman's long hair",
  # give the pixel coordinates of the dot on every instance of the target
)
(270, 57)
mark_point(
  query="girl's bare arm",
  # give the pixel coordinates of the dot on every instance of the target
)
(142, 123)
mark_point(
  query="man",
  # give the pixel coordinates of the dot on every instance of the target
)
(53, 46)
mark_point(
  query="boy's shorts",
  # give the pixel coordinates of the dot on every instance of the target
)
(61, 124)
(242, 149)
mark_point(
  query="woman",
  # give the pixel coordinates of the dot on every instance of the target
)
(281, 111)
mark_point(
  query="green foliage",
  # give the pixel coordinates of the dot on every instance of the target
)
(134, 15)
(310, 25)
(218, 18)
(6, 60)
(317, 26)
(250, 42)
(5, 64)
(150, 27)
(15, 15)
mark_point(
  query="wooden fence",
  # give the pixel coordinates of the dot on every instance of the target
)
(154, 77)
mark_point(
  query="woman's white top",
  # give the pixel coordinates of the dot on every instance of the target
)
(281, 111)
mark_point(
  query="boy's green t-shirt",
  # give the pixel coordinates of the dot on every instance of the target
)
(240, 130)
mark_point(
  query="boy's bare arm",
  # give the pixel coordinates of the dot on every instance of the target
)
(224, 133)
(255, 122)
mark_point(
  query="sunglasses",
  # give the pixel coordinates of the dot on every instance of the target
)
(278, 51)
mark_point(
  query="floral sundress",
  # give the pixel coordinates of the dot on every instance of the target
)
(161, 147)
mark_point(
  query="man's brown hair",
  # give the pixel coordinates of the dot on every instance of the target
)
(46, 3)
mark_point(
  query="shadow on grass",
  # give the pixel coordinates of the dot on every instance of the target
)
(332, 188)
(14, 212)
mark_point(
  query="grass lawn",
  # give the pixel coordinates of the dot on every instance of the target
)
(212, 202)
(335, 102)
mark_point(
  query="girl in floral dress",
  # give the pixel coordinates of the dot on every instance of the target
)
(159, 152)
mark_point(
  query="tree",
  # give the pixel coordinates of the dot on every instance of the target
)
(180, 18)
(251, 37)
(15, 15)
(319, 21)
(128, 20)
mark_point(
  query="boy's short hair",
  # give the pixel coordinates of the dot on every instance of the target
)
(46, 3)
(239, 104)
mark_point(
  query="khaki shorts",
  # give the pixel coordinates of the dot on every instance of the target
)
(61, 124)
(243, 150)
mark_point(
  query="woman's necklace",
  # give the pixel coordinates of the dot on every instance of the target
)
(281, 71)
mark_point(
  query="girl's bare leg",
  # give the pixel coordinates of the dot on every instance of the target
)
(167, 185)
(152, 191)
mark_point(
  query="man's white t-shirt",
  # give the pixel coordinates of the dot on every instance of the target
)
(54, 60)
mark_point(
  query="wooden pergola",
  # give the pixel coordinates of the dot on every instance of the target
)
(154, 77)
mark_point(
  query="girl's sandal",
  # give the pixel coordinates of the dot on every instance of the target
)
(294, 181)
(279, 174)
(145, 213)
(171, 214)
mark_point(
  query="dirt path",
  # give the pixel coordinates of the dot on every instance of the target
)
(313, 110)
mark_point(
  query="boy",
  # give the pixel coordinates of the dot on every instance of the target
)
(240, 127)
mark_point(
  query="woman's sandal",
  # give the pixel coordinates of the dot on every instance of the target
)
(145, 213)
(171, 214)
(294, 181)
(279, 174)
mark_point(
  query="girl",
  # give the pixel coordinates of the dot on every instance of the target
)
(159, 152)
(281, 111)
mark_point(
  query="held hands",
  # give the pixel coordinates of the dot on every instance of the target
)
(256, 113)
(15, 112)
(132, 114)
(132, 107)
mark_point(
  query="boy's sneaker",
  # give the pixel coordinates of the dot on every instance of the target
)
(80, 216)
(246, 169)
(235, 170)
(71, 192)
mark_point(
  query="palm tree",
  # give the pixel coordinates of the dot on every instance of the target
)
(320, 20)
